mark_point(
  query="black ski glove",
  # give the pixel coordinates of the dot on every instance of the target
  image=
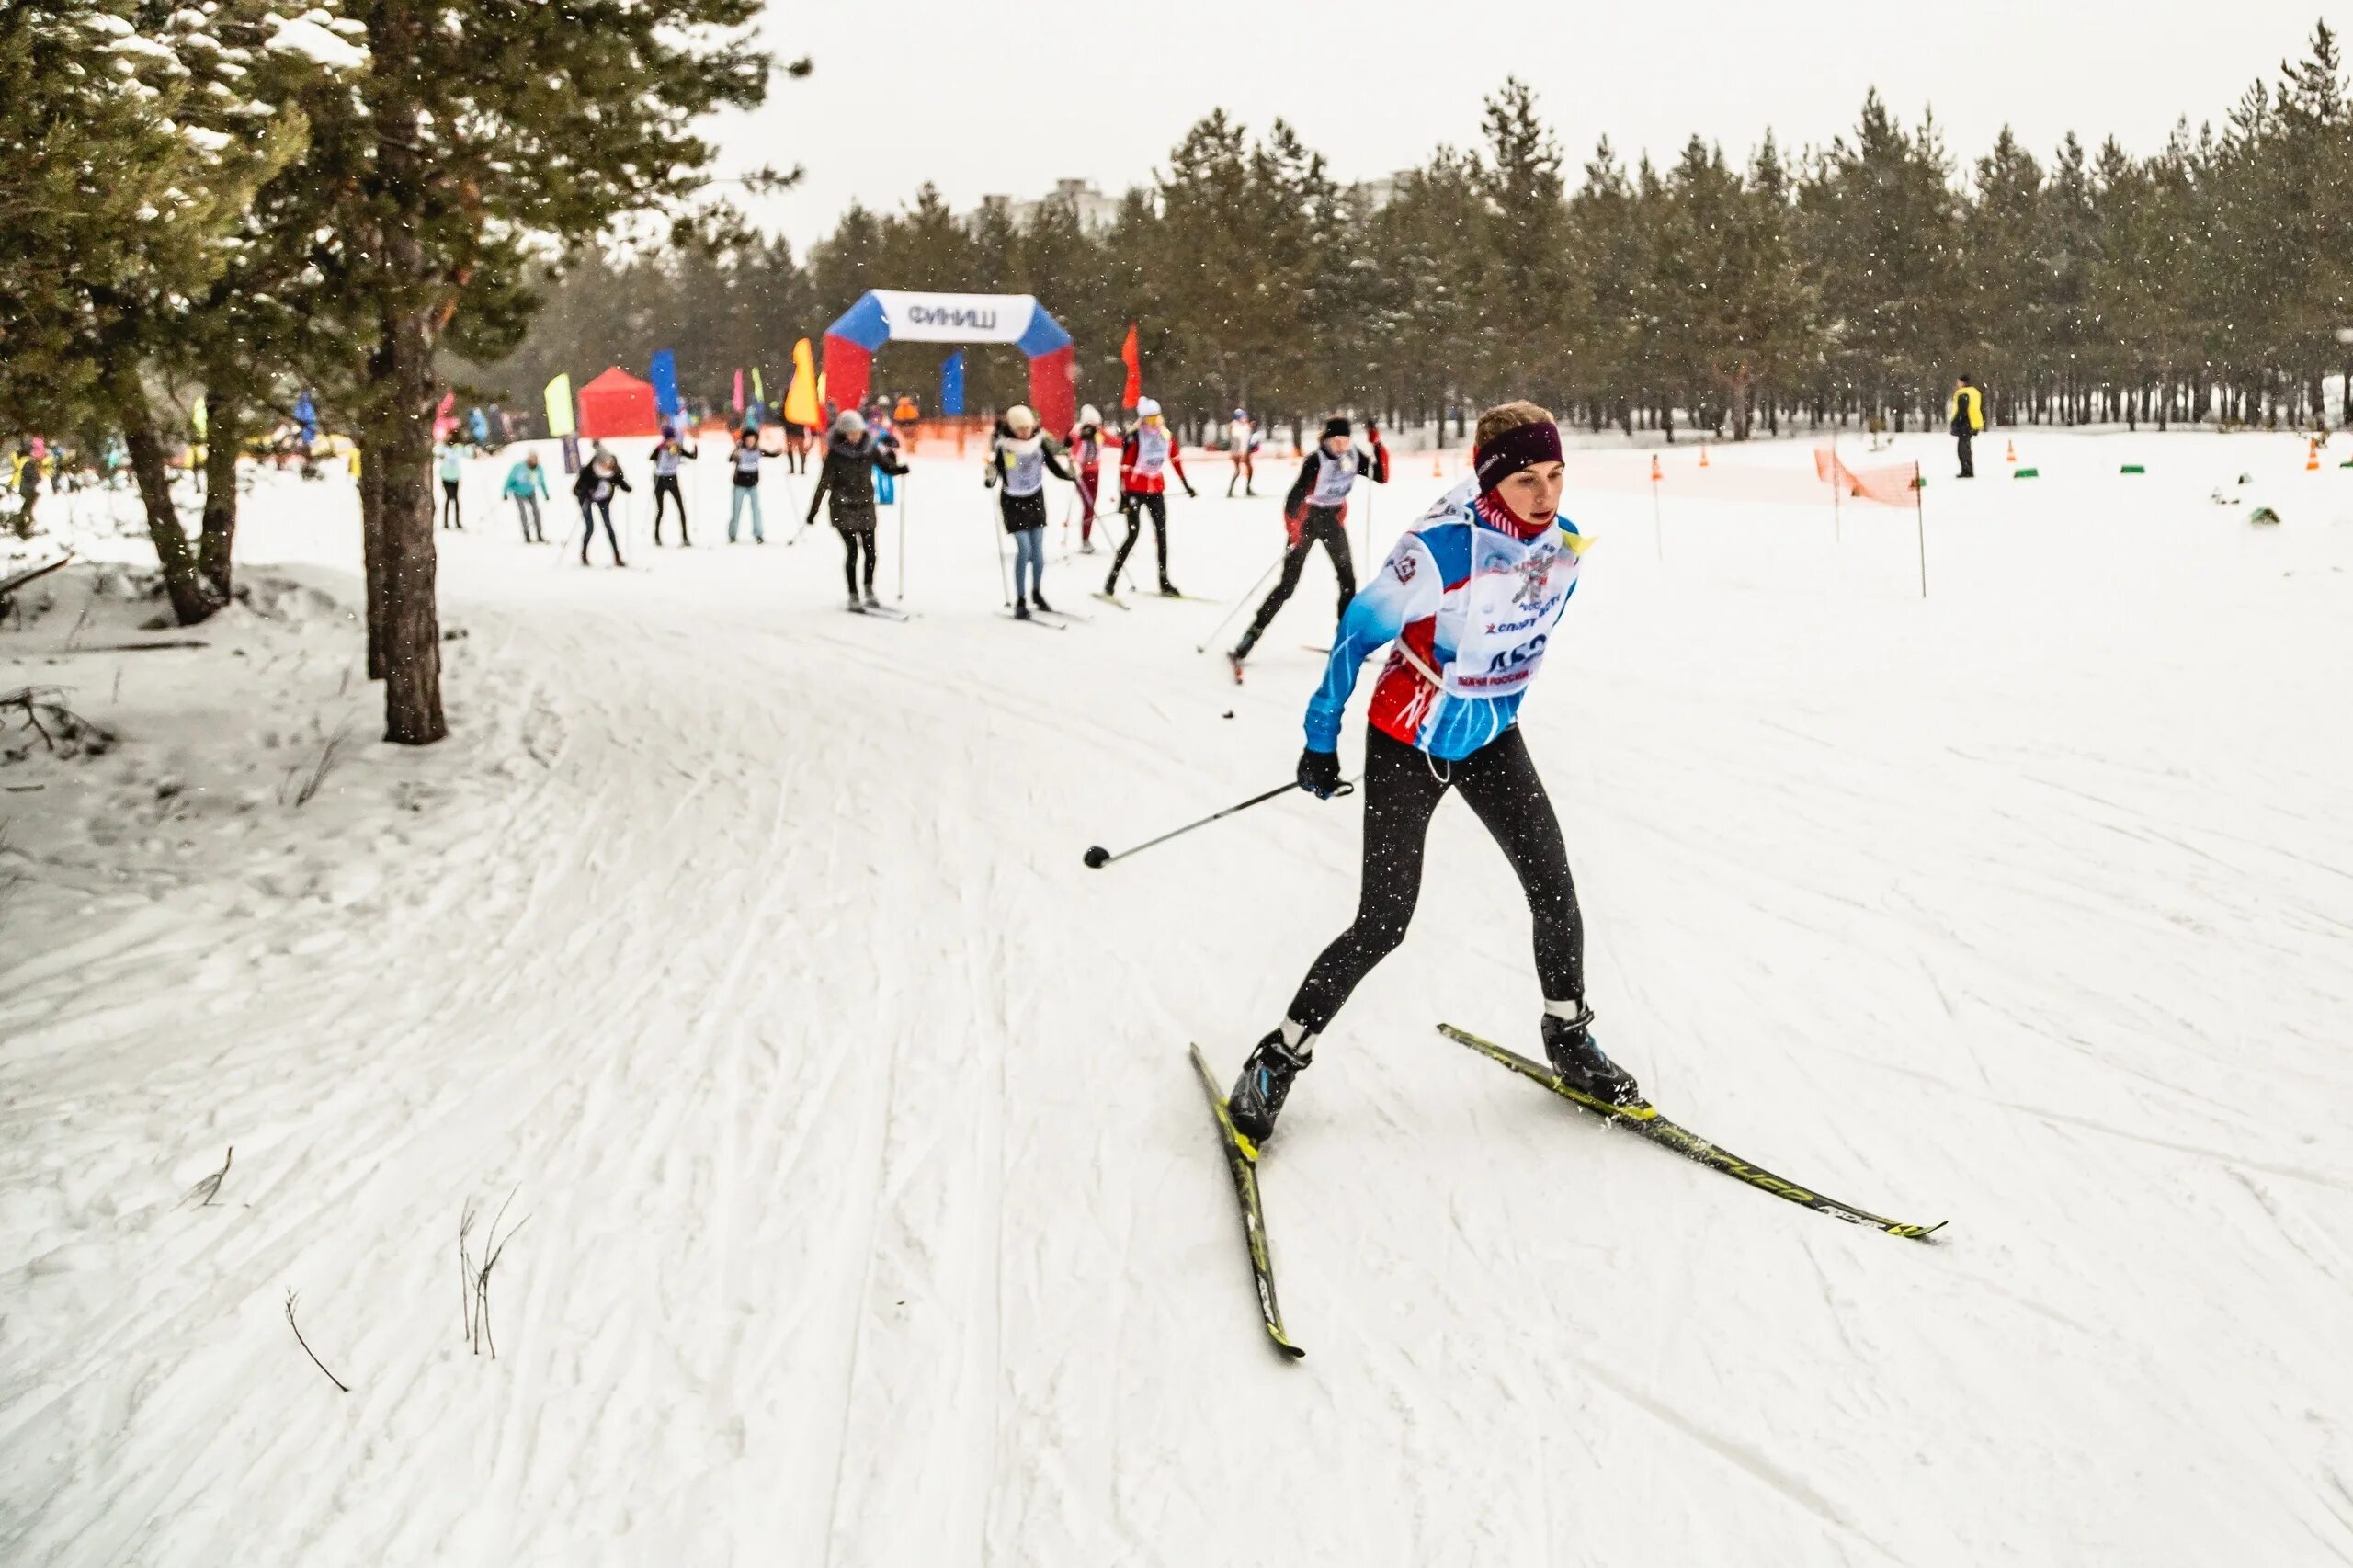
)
(1191, 493)
(1319, 773)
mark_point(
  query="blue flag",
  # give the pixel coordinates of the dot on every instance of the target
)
(306, 415)
(665, 371)
(951, 383)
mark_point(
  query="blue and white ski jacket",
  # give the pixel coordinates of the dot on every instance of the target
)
(1469, 598)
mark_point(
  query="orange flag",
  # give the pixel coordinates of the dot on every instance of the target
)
(1132, 357)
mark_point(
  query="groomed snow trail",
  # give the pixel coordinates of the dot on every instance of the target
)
(869, 1212)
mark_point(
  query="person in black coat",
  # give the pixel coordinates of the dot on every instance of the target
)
(848, 476)
(599, 477)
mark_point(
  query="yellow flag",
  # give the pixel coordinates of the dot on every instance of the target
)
(197, 417)
(560, 420)
(760, 393)
(801, 399)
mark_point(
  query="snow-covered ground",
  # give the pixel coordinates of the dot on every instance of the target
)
(870, 1215)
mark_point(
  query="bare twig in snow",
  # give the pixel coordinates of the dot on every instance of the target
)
(305, 1344)
(205, 1191)
(330, 753)
(465, 1276)
(74, 735)
(493, 1249)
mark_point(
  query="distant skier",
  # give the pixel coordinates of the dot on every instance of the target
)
(797, 440)
(885, 436)
(526, 486)
(452, 461)
(600, 476)
(747, 490)
(1315, 511)
(1019, 459)
(1085, 445)
(847, 475)
(1242, 446)
(1967, 419)
(1146, 454)
(667, 456)
(1469, 596)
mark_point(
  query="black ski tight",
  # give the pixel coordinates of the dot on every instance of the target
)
(667, 484)
(1135, 503)
(451, 517)
(1402, 789)
(854, 540)
(1321, 525)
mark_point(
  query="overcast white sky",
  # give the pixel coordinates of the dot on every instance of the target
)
(982, 97)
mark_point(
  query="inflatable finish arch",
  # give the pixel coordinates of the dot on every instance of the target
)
(887, 314)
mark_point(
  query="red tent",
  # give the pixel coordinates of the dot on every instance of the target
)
(617, 404)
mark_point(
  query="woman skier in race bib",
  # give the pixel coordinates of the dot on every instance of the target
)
(1469, 596)
(1019, 459)
(1147, 454)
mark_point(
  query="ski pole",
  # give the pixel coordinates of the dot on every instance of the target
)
(1097, 856)
(903, 538)
(1204, 646)
(1003, 583)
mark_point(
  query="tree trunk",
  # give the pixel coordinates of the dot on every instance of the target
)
(225, 418)
(408, 628)
(192, 600)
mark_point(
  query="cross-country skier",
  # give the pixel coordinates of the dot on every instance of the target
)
(746, 458)
(1317, 510)
(599, 477)
(1019, 459)
(667, 456)
(1469, 596)
(1146, 454)
(1242, 446)
(452, 459)
(848, 475)
(1085, 446)
(526, 486)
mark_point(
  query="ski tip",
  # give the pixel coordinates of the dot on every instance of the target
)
(1283, 1344)
(1920, 1233)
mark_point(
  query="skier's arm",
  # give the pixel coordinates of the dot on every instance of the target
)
(1177, 463)
(1054, 463)
(887, 463)
(1407, 590)
(545, 494)
(1297, 495)
(1378, 471)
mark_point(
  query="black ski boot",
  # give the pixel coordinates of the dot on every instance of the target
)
(1569, 1046)
(1258, 1095)
(1038, 602)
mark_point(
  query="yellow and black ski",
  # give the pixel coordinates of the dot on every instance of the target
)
(1644, 1121)
(1242, 1162)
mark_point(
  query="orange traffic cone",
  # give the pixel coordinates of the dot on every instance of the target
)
(1437, 466)
(1655, 474)
(1703, 455)
(2311, 457)
(2009, 451)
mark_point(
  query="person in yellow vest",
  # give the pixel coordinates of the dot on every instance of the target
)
(1968, 418)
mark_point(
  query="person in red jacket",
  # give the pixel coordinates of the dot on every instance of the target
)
(1146, 455)
(1317, 510)
(1085, 444)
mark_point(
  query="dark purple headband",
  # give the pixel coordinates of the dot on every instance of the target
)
(1523, 445)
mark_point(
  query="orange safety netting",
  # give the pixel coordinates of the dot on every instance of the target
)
(1898, 485)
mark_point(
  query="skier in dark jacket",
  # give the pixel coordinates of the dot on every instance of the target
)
(599, 477)
(1317, 510)
(847, 475)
